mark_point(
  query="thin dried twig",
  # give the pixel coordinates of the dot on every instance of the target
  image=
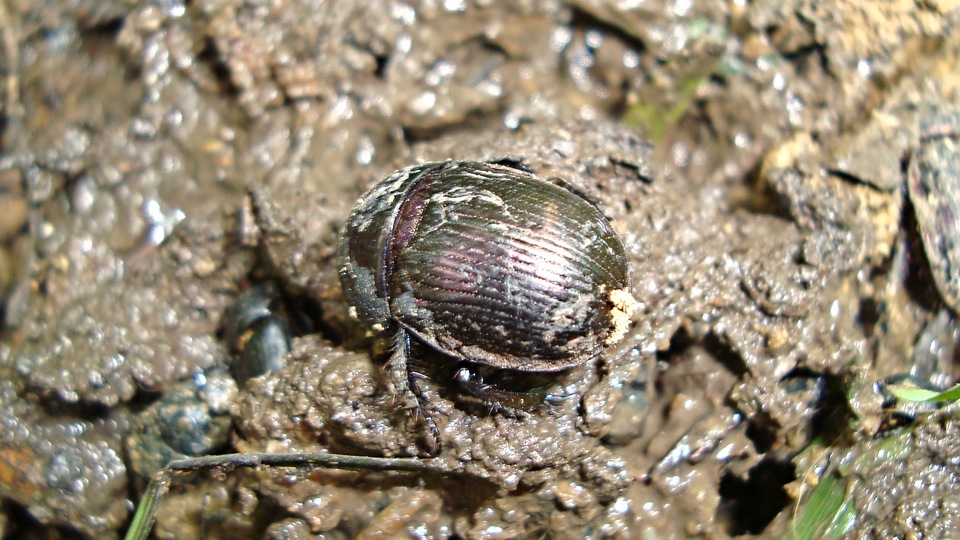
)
(147, 509)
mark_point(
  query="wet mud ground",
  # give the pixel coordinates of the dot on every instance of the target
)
(779, 173)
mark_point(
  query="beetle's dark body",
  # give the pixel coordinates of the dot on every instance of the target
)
(486, 263)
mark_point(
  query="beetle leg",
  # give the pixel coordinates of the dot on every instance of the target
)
(406, 382)
(396, 370)
(497, 400)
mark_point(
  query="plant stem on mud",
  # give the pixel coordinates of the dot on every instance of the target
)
(145, 516)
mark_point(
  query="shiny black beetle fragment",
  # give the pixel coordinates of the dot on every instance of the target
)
(485, 263)
(257, 333)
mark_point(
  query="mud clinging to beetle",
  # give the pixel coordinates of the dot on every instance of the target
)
(486, 264)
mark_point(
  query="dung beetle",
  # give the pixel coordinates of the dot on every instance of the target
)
(485, 263)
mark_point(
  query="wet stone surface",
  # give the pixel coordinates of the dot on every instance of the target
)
(783, 195)
(192, 419)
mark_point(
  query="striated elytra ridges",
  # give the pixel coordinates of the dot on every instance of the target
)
(486, 263)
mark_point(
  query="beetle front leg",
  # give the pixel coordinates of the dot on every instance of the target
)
(406, 383)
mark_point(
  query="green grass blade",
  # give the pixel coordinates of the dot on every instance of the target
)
(147, 509)
(822, 510)
(909, 392)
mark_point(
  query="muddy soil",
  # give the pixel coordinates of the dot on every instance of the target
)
(787, 210)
